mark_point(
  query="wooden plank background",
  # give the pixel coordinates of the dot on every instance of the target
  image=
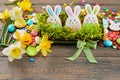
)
(55, 66)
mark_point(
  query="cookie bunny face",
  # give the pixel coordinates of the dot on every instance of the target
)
(114, 26)
(73, 20)
(91, 16)
(54, 15)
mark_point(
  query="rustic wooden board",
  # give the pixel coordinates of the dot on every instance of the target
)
(56, 68)
(69, 50)
(39, 8)
(78, 2)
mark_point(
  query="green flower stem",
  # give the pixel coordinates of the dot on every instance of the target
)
(10, 38)
(5, 32)
(0, 37)
(5, 36)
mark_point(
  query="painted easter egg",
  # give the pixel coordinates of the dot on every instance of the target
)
(11, 28)
(118, 41)
(31, 51)
(30, 22)
(107, 43)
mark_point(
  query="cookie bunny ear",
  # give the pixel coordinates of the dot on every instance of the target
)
(105, 23)
(49, 10)
(88, 8)
(69, 11)
(57, 10)
(96, 9)
(77, 10)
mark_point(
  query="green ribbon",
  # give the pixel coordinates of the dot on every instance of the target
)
(85, 46)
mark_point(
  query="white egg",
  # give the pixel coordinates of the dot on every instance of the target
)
(37, 40)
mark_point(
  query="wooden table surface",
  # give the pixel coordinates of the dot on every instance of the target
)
(55, 66)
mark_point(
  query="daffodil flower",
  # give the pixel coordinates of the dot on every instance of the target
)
(23, 36)
(18, 34)
(20, 23)
(14, 51)
(44, 45)
(5, 14)
(25, 5)
(15, 13)
(26, 38)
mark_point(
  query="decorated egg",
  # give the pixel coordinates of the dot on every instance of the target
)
(20, 23)
(118, 41)
(31, 51)
(32, 59)
(30, 22)
(37, 40)
(11, 28)
(34, 32)
(107, 43)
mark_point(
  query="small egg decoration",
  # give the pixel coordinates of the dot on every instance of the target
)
(30, 22)
(107, 43)
(37, 39)
(118, 41)
(32, 59)
(11, 28)
(31, 51)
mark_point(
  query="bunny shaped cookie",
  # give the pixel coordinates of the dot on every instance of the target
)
(91, 16)
(114, 26)
(73, 20)
(53, 15)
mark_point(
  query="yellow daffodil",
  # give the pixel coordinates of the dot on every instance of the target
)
(5, 14)
(25, 5)
(44, 45)
(26, 38)
(15, 13)
(20, 23)
(18, 34)
(23, 36)
(14, 51)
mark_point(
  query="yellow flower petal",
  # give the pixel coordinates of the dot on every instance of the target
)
(16, 12)
(25, 5)
(5, 14)
(15, 53)
(44, 45)
(44, 53)
(26, 39)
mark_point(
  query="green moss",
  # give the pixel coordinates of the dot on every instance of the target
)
(57, 32)
(90, 32)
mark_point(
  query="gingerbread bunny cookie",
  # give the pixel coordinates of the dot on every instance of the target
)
(53, 15)
(91, 16)
(73, 20)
